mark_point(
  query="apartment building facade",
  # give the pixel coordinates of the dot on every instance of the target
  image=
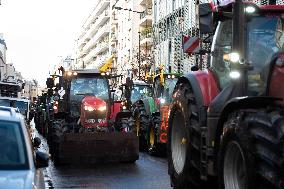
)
(119, 31)
(93, 42)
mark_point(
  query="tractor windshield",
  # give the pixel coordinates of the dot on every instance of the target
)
(87, 86)
(139, 92)
(170, 84)
(165, 91)
(81, 87)
(265, 37)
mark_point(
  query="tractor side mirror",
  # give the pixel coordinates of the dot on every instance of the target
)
(36, 142)
(127, 92)
(49, 83)
(206, 18)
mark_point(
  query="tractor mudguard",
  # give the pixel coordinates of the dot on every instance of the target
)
(124, 114)
(215, 128)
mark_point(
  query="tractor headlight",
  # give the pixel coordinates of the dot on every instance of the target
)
(232, 57)
(162, 100)
(250, 9)
(235, 74)
(102, 108)
(124, 107)
(69, 73)
(89, 108)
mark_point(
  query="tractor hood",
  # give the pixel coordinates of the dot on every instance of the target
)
(91, 103)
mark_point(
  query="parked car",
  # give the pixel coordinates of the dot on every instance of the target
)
(20, 161)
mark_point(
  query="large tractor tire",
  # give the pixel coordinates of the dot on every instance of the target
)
(251, 153)
(155, 148)
(183, 137)
(57, 131)
(140, 123)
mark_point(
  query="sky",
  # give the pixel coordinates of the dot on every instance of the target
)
(38, 32)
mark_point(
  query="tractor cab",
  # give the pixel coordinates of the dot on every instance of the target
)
(164, 85)
(140, 90)
(263, 37)
(89, 97)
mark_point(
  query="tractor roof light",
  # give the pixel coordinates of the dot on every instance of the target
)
(235, 74)
(173, 76)
(103, 73)
(69, 73)
(169, 76)
(75, 73)
(250, 9)
(232, 57)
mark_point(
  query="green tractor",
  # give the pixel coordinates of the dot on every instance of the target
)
(142, 106)
(150, 112)
(163, 88)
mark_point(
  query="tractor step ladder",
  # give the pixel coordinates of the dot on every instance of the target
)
(203, 154)
(203, 143)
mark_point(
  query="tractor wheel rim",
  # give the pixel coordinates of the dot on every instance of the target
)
(152, 137)
(178, 144)
(234, 167)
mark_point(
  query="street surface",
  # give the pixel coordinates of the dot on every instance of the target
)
(147, 173)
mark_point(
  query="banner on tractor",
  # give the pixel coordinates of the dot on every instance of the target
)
(190, 44)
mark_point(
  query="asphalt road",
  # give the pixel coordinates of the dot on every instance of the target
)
(146, 173)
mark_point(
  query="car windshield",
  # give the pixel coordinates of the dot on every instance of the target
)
(265, 33)
(13, 154)
(22, 105)
(89, 86)
(140, 91)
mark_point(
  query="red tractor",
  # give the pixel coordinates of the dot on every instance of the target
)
(84, 128)
(227, 122)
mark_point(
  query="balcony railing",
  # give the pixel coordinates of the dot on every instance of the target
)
(145, 13)
(146, 35)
